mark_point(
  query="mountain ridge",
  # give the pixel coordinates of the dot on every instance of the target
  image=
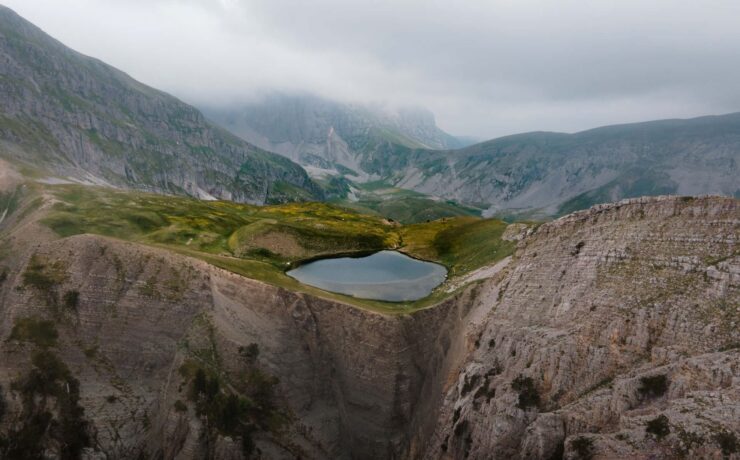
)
(328, 134)
(72, 115)
(538, 174)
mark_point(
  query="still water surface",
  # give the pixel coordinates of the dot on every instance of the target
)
(385, 275)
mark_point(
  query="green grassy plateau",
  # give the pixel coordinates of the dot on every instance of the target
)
(262, 242)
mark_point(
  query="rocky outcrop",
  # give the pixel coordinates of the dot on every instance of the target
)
(69, 115)
(612, 333)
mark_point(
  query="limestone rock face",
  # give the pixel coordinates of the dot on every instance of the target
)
(612, 333)
(609, 319)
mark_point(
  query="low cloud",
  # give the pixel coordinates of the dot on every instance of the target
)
(485, 68)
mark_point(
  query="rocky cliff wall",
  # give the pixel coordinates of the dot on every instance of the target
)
(605, 321)
(615, 335)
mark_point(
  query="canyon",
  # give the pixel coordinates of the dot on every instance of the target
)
(602, 322)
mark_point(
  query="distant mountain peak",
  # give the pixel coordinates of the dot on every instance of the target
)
(316, 131)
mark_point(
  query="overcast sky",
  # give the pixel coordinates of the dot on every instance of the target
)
(485, 68)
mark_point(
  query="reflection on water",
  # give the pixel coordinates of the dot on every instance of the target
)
(385, 275)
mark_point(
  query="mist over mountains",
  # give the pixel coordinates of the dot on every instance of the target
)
(82, 120)
(536, 174)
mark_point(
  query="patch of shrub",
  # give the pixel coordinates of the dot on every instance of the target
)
(658, 427)
(528, 394)
(494, 370)
(577, 249)
(90, 352)
(469, 384)
(250, 353)
(3, 276)
(728, 442)
(583, 448)
(44, 278)
(180, 406)
(52, 416)
(262, 253)
(558, 452)
(484, 390)
(35, 330)
(654, 386)
(71, 299)
(232, 414)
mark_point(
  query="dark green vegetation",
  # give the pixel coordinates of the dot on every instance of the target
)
(240, 407)
(261, 242)
(583, 447)
(132, 135)
(728, 442)
(52, 418)
(40, 332)
(658, 427)
(653, 386)
(528, 394)
(44, 279)
(405, 206)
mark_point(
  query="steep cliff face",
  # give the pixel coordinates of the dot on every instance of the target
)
(73, 116)
(615, 335)
(604, 322)
(352, 383)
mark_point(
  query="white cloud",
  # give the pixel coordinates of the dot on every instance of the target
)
(485, 68)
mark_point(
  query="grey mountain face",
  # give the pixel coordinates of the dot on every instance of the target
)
(331, 135)
(535, 174)
(552, 173)
(69, 115)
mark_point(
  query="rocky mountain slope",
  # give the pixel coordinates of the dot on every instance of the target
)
(614, 335)
(553, 173)
(534, 174)
(330, 135)
(71, 116)
(610, 333)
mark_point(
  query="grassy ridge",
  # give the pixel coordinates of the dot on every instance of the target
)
(261, 242)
